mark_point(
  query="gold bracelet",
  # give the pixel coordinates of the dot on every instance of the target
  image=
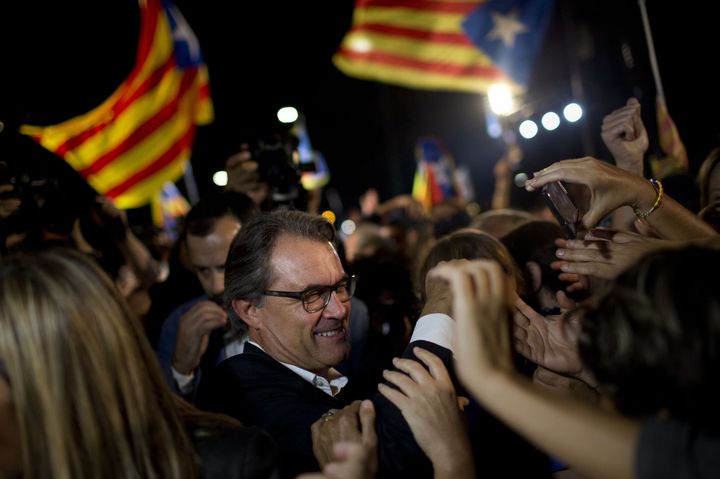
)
(658, 187)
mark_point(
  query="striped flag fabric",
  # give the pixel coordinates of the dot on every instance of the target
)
(141, 137)
(416, 44)
(669, 138)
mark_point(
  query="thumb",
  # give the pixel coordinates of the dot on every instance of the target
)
(593, 215)
(367, 423)
(564, 301)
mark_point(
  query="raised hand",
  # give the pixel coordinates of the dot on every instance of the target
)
(481, 299)
(624, 134)
(193, 334)
(549, 341)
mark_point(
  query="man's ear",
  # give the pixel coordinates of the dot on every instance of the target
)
(247, 311)
(534, 273)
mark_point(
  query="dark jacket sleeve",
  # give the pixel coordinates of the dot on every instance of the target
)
(399, 453)
(671, 449)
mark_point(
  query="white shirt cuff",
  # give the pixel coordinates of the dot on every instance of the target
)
(183, 381)
(437, 328)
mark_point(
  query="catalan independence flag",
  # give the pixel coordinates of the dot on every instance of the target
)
(128, 147)
(435, 176)
(416, 44)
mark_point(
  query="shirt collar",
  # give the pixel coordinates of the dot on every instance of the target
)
(318, 381)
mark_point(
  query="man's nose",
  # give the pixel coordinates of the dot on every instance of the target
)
(335, 308)
(217, 283)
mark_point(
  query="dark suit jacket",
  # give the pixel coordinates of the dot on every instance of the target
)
(260, 391)
(234, 453)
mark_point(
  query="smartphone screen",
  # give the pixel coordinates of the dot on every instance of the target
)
(561, 205)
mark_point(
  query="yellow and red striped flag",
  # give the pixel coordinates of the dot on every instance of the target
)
(670, 141)
(434, 179)
(142, 135)
(417, 44)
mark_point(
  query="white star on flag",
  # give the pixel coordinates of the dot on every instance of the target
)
(506, 28)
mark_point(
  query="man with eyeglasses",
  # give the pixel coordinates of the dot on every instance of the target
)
(285, 281)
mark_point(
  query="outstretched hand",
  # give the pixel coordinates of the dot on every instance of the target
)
(604, 253)
(549, 341)
(427, 400)
(610, 187)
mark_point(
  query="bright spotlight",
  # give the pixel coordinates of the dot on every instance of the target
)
(528, 129)
(287, 114)
(220, 178)
(348, 227)
(572, 112)
(500, 98)
(550, 120)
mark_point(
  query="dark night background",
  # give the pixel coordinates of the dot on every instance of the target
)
(60, 59)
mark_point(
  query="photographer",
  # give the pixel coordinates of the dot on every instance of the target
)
(269, 173)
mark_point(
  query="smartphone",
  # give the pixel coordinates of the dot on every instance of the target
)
(567, 214)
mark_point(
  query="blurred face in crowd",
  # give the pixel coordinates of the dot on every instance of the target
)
(207, 254)
(10, 453)
(714, 185)
(285, 330)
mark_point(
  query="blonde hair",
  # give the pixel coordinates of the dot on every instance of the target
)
(88, 394)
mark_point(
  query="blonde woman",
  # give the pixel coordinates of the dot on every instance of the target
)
(80, 387)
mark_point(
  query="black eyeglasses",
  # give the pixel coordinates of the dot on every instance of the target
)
(315, 299)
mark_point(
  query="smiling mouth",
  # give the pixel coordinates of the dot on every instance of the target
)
(331, 333)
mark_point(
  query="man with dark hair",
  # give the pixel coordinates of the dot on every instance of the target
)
(197, 334)
(285, 281)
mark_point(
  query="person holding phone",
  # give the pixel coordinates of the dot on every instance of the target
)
(611, 188)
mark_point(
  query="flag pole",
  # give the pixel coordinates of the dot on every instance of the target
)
(190, 184)
(651, 51)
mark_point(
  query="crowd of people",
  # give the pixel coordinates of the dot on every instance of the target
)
(263, 343)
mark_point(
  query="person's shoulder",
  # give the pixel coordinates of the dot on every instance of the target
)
(252, 362)
(235, 452)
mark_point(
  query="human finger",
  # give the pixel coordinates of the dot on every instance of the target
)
(403, 381)
(393, 395)
(463, 292)
(566, 170)
(367, 423)
(435, 365)
(596, 269)
(612, 235)
(597, 253)
(564, 301)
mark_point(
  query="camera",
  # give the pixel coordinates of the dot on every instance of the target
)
(277, 168)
